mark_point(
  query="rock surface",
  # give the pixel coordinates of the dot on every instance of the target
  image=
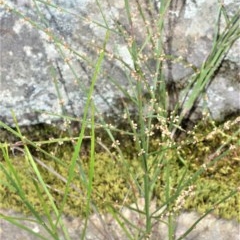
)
(39, 74)
(107, 229)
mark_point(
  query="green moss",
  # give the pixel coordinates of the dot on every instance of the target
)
(208, 193)
(113, 179)
(109, 185)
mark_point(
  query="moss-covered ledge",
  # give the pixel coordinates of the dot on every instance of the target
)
(112, 178)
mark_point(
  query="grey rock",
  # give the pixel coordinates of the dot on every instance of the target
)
(41, 79)
(105, 227)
